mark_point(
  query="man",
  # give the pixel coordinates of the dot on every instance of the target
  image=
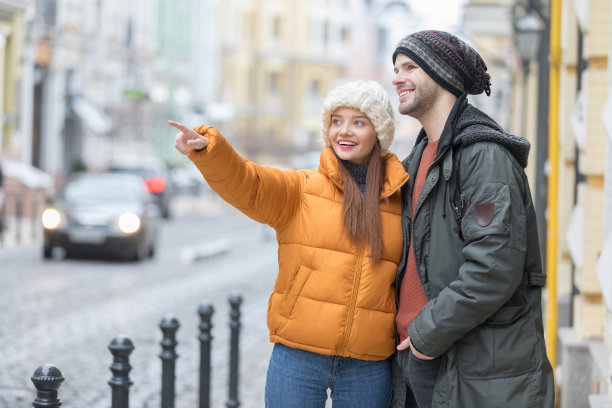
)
(469, 284)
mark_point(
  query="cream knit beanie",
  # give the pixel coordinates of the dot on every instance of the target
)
(371, 99)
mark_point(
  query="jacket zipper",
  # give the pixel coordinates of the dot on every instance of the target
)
(351, 312)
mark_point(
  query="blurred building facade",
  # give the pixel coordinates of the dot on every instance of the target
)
(585, 200)
(13, 31)
(91, 72)
(280, 58)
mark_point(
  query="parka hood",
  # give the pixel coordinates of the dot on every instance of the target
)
(475, 126)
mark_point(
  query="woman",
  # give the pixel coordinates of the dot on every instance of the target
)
(332, 312)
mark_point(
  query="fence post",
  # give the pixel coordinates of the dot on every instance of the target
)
(47, 379)
(205, 311)
(18, 219)
(121, 347)
(235, 300)
(169, 325)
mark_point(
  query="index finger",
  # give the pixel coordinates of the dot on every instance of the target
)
(179, 126)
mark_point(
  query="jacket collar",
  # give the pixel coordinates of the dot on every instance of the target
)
(395, 174)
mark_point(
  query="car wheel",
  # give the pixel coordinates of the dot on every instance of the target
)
(138, 252)
(47, 252)
(166, 213)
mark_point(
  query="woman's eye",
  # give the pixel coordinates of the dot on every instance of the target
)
(359, 123)
(336, 121)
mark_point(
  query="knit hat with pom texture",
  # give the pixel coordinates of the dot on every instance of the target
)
(371, 99)
(449, 61)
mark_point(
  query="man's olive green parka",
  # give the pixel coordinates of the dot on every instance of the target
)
(478, 259)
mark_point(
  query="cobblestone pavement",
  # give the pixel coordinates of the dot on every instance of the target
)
(66, 312)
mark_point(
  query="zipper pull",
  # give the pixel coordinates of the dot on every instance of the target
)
(459, 208)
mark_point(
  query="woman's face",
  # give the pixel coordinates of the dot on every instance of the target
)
(352, 135)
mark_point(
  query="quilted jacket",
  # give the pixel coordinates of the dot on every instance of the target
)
(328, 298)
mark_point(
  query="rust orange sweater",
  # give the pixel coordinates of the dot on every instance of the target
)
(412, 297)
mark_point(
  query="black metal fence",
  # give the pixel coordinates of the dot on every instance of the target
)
(47, 378)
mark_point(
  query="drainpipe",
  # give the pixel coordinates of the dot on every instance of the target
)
(553, 182)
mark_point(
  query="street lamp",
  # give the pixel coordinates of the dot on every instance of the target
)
(531, 39)
(528, 30)
(528, 36)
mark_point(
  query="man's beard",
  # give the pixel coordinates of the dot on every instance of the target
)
(423, 100)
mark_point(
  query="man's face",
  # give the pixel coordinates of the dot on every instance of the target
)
(417, 91)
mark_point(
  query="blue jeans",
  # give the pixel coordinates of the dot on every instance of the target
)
(300, 379)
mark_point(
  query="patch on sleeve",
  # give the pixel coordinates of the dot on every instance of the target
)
(483, 213)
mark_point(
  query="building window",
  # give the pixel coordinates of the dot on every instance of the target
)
(325, 32)
(248, 25)
(346, 35)
(273, 86)
(316, 34)
(276, 28)
(313, 101)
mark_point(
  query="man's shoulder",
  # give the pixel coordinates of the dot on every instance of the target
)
(477, 131)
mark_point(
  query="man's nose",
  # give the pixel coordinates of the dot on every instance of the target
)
(397, 79)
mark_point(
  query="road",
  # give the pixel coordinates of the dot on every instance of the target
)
(67, 312)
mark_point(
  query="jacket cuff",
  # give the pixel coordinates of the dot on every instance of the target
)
(211, 133)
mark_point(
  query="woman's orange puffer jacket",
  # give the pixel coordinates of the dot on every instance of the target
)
(328, 297)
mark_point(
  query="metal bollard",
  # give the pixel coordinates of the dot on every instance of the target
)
(121, 347)
(47, 380)
(18, 218)
(235, 301)
(169, 325)
(205, 311)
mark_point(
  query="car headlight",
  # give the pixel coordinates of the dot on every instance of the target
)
(129, 223)
(51, 218)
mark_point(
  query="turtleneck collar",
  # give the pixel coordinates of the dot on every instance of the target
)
(359, 173)
(395, 174)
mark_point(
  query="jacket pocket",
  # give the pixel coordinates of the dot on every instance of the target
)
(503, 346)
(293, 291)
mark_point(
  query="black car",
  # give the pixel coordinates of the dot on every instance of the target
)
(154, 172)
(102, 214)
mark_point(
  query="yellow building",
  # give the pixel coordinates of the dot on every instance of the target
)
(12, 38)
(584, 202)
(277, 63)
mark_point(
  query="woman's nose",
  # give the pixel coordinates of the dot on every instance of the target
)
(345, 128)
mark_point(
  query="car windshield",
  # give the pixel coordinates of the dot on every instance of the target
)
(99, 191)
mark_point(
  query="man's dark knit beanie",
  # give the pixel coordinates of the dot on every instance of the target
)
(449, 61)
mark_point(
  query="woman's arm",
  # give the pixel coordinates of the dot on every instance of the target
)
(266, 194)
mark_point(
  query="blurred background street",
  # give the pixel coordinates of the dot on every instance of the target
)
(89, 85)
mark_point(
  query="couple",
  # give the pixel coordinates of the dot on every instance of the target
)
(432, 263)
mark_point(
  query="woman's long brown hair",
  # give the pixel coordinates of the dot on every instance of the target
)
(362, 214)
